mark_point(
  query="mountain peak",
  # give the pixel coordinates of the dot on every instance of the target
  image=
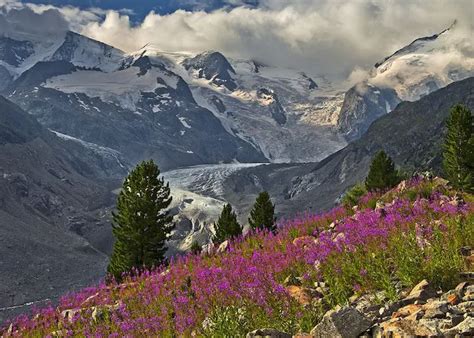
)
(213, 66)
(85, 52)
(415, 44)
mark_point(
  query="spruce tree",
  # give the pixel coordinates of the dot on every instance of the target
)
(458, 149)
(142, 223)
(382, 173)
(227, 226)
(262, 215)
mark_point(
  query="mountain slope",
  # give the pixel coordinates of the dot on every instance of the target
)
(412, 135)
(52, 196)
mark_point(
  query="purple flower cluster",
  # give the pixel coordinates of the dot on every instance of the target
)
(176, 300)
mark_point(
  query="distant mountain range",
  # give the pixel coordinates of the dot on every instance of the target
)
(184, 109)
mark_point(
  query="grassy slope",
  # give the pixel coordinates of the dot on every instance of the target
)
(406, 235)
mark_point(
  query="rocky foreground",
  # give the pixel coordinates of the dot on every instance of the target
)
(353, 271)
(422, 312)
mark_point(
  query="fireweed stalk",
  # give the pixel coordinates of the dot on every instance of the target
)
(417, 235)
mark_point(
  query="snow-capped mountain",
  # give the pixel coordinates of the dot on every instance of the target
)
(280, 111)
(423, 66)
(209, 108)
(427, 64)
(100, 95)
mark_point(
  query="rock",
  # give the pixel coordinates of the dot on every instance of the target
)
(207, 250)
(465, 307)
(345, 322)
(436, 309)
(467, 275)
(469, 262)
(468, 294)
(59, 333)
(440, 182)
(10, 329)
(446, 315)
(401, 186)
(427, 327)
(460, 288)
(466, 251)
(304, 241)
(223, 247)
(379, 205)
(406, 311)
(465, 328)
(302, 295)
(267, 333)
(339, 237)
(452, 299)
(422, 291)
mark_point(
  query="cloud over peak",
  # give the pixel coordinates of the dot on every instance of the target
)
(317, 36)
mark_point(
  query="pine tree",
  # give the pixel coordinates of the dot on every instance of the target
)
(262, 215)
(141, 224)
(458, 149)
(227, 226)
(382, 173)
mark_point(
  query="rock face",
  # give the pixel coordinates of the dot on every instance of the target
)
(13, 51)
(342, 323)
(271, 100)
(213, 66)
(363, 104)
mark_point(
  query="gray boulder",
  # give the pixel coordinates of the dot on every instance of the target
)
(344, 323)
(267, 333)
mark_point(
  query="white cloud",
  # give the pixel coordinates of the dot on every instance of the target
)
(317, 36)
(322, 36)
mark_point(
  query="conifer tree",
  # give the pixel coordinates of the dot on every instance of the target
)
(262, 215)
(458, 149)
(382, 173)
(227, 226)
(142, 223)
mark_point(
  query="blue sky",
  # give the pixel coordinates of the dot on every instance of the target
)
(141, 8)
